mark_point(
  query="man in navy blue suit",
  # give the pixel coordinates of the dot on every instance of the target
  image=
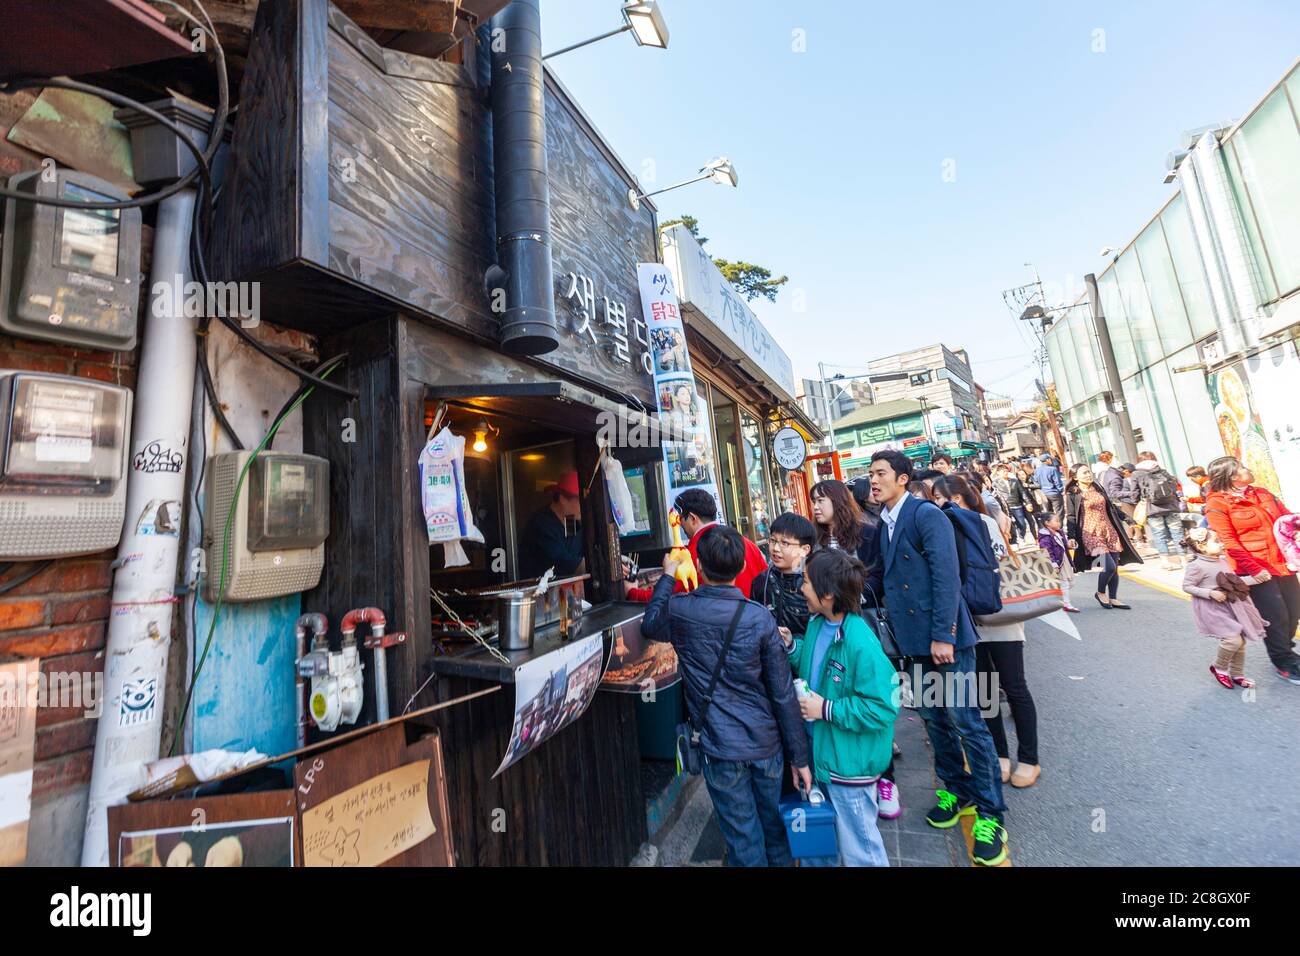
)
(920, 576)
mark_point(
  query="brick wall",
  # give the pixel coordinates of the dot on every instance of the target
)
(61, 616)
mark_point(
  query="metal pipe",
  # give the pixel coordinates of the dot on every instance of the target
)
(318, 624)
(375, 618)
(140, 629)
(524, 272)
(1114, 388)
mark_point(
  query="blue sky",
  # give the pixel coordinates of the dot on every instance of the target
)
(1052, 149)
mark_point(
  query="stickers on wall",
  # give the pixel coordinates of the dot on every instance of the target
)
(139, 702)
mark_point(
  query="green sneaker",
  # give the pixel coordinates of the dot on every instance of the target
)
(948, 810)
(990, 841)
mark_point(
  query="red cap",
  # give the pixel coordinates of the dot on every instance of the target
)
(567, 485)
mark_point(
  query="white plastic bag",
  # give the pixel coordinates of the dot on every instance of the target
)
(620, 497)
(447, 513)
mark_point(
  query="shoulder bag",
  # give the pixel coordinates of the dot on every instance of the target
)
(1031, 587)
(689, 756)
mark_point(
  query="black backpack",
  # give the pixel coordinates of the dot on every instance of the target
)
(1162, 489)
(981, 579)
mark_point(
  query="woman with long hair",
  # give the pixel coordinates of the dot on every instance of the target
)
(838, 518)
(1100, 534)
(1243, 515)
(1001, 652)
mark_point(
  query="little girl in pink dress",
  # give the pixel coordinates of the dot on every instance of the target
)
(1221, 606)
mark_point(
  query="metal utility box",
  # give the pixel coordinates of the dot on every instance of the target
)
(64, 444)
(277, 530)
(70, 275)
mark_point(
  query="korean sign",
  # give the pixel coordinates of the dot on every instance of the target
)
(685, 426)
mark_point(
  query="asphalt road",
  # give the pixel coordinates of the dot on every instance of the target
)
(1146, 760)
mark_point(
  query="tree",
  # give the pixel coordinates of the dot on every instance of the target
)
(751, 281)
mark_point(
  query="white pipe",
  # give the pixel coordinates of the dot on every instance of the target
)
(144, 586)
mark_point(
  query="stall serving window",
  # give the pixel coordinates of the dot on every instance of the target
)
(743, 480)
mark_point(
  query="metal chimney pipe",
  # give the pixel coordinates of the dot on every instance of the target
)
(523, 200)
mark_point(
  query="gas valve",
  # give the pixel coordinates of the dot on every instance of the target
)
(336, 685)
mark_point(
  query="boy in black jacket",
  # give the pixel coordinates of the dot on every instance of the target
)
(790, 541)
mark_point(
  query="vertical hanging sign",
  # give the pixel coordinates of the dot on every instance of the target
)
(684, 426)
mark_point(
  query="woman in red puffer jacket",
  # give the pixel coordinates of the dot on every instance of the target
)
(1243, 516)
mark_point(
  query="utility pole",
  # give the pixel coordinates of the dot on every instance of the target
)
(1114, 390)
(1035, 310)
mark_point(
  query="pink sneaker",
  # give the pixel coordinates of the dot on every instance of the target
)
(1072, 609)
(1221, 676)
(887, 794)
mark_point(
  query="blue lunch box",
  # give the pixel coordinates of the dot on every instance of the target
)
(809, 825)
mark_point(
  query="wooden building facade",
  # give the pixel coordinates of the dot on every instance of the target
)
(360, 195)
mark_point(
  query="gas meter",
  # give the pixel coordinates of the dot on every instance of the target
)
(70, 275)
(278, 530)
(64, 444)
(336, 685)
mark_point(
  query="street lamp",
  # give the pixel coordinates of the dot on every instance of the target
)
(645, 21)
(719, 170)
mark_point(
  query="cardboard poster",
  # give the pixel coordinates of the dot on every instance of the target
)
(551, 692)
(17, 749)
(637, 665)
(370, 823)
(686, 429)
(231, 830)
(1240, 427)
(1273, 376)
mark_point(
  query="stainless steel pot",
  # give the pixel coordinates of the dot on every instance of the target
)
(516, 617)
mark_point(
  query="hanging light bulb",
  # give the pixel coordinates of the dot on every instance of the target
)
(480, 438)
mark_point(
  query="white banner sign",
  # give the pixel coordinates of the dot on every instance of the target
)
(686, 431)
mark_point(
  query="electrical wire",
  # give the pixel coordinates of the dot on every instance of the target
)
(225, 560)
(23, 577)
(327, 365)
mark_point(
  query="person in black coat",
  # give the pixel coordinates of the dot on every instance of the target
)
(1097, 528)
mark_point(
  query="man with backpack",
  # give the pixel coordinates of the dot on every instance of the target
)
(1164, 521)
(920, 576)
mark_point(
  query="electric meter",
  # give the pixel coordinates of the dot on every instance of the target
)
(64, 444)
(70, 275)
(278, 530)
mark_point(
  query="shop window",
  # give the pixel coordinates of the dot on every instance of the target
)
(1162, 288)
(1264, 159)
(1189, 267)
(1117, 322)
(1137, 308)
(760, 505)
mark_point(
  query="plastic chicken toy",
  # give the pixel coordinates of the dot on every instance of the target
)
(685, 572)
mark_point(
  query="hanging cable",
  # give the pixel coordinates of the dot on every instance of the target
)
(323, 368)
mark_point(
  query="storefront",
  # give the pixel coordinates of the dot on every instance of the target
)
(387, 267)
(746, 383)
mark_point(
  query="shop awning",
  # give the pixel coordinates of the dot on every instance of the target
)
(557, 404)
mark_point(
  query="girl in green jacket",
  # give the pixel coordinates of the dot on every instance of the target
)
(851, 702)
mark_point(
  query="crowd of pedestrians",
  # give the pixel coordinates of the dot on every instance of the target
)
(795, 671)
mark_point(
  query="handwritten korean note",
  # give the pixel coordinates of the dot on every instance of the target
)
(372, 822)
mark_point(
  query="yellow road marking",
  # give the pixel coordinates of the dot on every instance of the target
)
(1159, 587)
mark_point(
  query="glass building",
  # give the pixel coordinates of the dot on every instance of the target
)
(1202, 309)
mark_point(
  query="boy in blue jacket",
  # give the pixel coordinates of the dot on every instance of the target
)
(852, 702)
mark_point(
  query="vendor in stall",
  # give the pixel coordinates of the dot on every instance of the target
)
(553, 535)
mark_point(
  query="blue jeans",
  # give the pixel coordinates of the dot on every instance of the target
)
(746, 798)
(855, 825)
(950, 709)
(1024, 521)
(1165, 531)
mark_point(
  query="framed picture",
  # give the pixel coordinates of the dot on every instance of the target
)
(234, 830)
